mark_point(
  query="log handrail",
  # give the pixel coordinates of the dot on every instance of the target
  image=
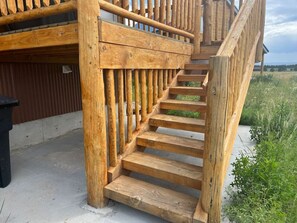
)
(141, 19)
(227, 85)
(35, 13)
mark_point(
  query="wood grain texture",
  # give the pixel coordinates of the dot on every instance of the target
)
(150, 91)
(172, 104)
(164, 203)
(20, 6)
(3, 8)
(195, 91)
(143, 96)
(137, 99)
(129, 106)
(11, 5)
(121, 111)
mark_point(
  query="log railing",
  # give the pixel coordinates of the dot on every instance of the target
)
(12, 11)
(137, 92)
(228, 81)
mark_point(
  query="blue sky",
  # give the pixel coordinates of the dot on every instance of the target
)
(281, 31)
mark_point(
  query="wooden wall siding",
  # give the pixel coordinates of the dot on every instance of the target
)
(43, 90)
(229, 77)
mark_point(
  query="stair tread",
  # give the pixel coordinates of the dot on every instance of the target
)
(190, 77)
(172, 104)
(176, 122)
(170, 143)
(183, 90)
(173, 171)
(201, 56)
(165, 203)
(197, 67)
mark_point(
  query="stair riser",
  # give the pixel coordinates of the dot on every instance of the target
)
(170, 148)
(193, 108)
(180, 126)
(198, 92)
(191, 78)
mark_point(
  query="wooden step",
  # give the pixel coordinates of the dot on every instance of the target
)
(209, 49)
(195, 106)
(183, 90)
(170, 170)
(192, 66)
(169, 143)
(189, 77)
(164, 203)
(175, 122)
(201, 56)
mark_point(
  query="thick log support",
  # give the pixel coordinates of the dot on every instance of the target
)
(207, 22)
(93, 101)
(216, 128)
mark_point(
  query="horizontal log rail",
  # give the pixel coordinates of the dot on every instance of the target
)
(141, 19)
(10, 13)
(227, 85)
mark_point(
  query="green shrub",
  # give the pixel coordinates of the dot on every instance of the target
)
(262, 78)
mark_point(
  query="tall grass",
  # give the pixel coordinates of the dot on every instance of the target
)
(265, 178)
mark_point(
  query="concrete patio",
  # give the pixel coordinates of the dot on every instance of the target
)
(48, 183)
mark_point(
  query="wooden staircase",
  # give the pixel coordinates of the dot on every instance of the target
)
(166, 203)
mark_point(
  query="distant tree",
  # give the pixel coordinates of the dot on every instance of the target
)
(282, 68)
(265, 69)
(295, 68)
(272, 69)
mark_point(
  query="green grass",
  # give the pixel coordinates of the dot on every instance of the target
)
(265, 178)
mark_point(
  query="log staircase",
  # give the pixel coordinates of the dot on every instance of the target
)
(153, 51)
(167, 203)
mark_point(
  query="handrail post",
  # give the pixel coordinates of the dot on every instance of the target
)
(259, 55)
(197, 39)
(207, 22)
(93, 101)
(215, 133)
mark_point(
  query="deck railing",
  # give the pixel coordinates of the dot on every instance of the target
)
(228, 81)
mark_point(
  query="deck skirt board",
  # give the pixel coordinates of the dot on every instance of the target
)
(164, 203)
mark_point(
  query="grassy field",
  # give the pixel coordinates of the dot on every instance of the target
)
(265, 178)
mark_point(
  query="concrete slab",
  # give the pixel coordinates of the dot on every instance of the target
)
(48, 183)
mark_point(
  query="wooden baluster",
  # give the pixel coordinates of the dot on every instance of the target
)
(182, 14)
(155, 87)
(174, 73)
(174, 11)
(150, 91)
(168, 13)
(165, 79)
(143, 96)
(207, 22)
(197, 38)
(112, 128)
(37, 3)
(194, 15)
(150, 11)
(57, 2)
(137, 99)
(190, 15)
(11, 5)
(232, 9)
(45, 2)
(157, 12)
(160, 87)
(142, 11)
(20, 5)
(121, 111)
(3, 8)
(224, 28)
(216, 26)
(178, 11)
(129, 105)
(29, 4)
(135, 9)
(162, 13)
(186, 13)
(118, 3)
(170, 76)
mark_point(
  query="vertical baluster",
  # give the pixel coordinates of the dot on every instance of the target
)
(174, 73)
(137, 101)
(20, 5)
(186, 13)
(207, 22)
(162, 13)
(126, 6)
(112, 131)
(11, 4)
(168, 13)
(194, 15)
(160, 87)
(129, 105)
(37, 3)
(121, 111)
(216, 26)
(182, 14)
(232, 9)
(197, 39)
(173, 17)
(170, 77)
(3, 8)
(178, 13)
(150, 11)
(165, 79)
(29, 4)
(150, 91)
(142, 11)
(143, 96)
(190, 15)
(157, 12)
(57, 2)
(118, 3)
(224, 31)
(44, 2)
(135, 9)
(155, 87)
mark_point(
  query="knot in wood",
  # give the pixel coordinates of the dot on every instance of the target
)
(135, 200)
(214, 91)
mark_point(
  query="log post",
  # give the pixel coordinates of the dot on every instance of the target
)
(197, 40)
(207, 22)
(215, 133)
(259, 55)
(93, 102)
